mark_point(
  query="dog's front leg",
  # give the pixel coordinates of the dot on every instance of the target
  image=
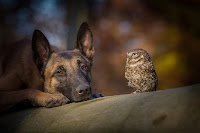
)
(36, 97)
(40, 98)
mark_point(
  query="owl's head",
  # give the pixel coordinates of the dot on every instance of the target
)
(136, 55)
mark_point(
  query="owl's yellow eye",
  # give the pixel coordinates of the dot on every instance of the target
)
(135, 54)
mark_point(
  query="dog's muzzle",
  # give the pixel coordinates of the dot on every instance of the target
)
(83, 91)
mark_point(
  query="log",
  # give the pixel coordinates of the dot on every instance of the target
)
(172, 110)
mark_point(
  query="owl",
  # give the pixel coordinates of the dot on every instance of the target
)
(140, 72)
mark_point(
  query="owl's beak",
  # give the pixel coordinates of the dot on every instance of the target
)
(127, 60)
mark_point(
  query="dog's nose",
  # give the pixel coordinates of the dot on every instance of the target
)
(83, 89)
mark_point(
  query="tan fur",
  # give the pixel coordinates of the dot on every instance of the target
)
(24, 77)
(28, 71)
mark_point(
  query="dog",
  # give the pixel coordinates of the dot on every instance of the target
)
(37, 72)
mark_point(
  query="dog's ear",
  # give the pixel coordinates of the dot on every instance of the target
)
(84, 41)
(41, 49)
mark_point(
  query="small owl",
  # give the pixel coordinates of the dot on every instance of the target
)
(140, 72)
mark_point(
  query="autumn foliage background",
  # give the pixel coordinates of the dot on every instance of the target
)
(168, 30)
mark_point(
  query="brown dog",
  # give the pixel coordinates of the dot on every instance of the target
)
(46, 78)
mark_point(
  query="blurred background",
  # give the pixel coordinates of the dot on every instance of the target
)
(169, 30)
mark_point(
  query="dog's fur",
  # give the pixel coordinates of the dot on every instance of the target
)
(34, 71)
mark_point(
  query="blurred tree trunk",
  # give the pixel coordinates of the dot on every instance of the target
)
(6, 30)
(76, 14)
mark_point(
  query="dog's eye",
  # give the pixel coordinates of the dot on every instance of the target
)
(84, 67)
(59, 72)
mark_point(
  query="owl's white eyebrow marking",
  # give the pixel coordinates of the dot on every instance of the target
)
(128, 54)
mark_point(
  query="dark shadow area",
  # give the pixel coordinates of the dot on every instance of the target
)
(11, 124)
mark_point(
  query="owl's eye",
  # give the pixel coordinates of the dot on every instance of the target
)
(135, 54)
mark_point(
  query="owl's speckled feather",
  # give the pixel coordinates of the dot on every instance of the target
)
(140, 72)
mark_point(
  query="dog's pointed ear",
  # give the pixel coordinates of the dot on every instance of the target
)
(41, 49)
(84, 41)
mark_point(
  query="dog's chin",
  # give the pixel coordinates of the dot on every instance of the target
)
(78, 98)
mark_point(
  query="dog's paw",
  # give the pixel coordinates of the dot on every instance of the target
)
(54, 100)
(96, 95)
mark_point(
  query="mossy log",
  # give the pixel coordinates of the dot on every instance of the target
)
(173, 110)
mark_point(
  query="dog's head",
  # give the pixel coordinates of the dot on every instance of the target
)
(67, 72)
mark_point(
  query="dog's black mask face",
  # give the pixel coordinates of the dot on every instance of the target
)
(67, 72)
(70, 74)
